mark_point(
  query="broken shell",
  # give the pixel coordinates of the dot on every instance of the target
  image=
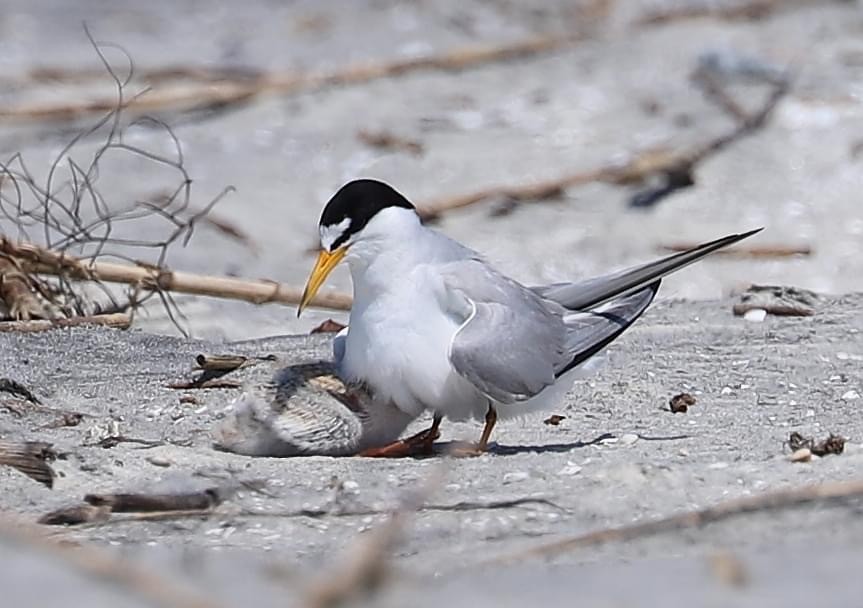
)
(801, 455)
(755, 315)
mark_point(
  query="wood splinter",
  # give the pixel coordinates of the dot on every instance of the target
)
(148, 503)
(222, 363)
(31, 458)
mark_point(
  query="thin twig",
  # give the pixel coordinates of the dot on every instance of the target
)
(66, 211)
(637, 168)
(309, 513)
(823, 493)
(221, 88)
(119, 320)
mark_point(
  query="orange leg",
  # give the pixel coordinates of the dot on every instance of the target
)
(421, 444)
(482, 446)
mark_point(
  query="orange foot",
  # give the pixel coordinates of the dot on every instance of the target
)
(421, 444)
(481, 447)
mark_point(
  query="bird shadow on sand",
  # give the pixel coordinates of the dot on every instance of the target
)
(510, 450)
(449, 447)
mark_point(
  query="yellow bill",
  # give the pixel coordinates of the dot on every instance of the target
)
(323, 267)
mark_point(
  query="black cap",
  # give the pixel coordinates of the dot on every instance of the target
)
(359, 201)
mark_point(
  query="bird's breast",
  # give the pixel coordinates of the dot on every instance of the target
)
(398, 345)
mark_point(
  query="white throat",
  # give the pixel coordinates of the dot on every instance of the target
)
(387, 246)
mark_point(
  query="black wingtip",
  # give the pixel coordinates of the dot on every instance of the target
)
(643, 299)
(746, 235)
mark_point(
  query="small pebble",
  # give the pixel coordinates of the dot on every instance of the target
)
(515, 477)
(158, 461)
(351, 487)
(726, 390)
(718, 465)
(850, 395)
(756, 315)
(628, 438)
(801, 455)
(570, 469)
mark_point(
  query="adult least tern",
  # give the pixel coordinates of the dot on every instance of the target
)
(435, 327)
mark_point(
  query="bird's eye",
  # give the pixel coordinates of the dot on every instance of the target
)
(334, 236)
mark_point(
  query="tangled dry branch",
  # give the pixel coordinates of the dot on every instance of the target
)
(69, 210)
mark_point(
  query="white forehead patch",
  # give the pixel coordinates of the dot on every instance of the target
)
(329, 234)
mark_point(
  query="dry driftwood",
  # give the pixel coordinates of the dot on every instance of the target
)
(148, 503)
(99, 508)
(224, 363)
(29, 457)
(117, 320)
(822, 493)
(219, 88)
(778, 300)
(35, 259)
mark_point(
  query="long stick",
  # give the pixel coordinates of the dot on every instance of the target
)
(222, 92)
(118, 320)
(43, 261)
(779, 499)
(643, 164)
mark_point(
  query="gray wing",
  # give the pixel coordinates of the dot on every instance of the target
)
(593, 292)
(507, 356)
(512, 343)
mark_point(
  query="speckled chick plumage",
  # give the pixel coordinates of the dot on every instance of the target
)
(305, 409)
